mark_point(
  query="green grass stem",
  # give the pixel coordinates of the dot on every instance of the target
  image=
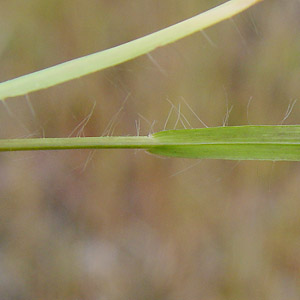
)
(235, 143)
(109, 142)
(116, 55)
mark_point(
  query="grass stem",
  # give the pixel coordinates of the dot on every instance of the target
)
(234, 143)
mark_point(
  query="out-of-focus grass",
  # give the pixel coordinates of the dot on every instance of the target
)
(128, 225)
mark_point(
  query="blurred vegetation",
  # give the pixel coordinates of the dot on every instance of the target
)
(124, 224)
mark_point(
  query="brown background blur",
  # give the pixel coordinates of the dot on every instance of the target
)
(122, 224)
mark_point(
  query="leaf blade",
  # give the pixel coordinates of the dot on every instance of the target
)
(233, 143)
(101, 60)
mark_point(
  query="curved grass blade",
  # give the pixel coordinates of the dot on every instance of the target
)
(273, 143)
(98, 61)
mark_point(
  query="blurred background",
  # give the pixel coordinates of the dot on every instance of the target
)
(121, 224)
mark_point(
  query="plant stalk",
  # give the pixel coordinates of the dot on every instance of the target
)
(110, 142)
